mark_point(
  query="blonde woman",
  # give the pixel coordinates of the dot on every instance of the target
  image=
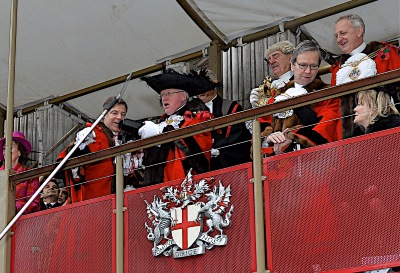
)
(375, 111)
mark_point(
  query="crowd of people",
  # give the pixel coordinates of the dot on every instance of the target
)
(191, 98)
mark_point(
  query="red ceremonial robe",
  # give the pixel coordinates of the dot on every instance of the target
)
(195, 150)
(95, 178)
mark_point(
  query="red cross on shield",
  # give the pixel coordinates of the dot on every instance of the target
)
(186, 230)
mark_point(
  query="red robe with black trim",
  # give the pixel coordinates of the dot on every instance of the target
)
(328, 114)
(89, 185)
(314, 222)
(324, 129)
(173, 160)
(195, 150)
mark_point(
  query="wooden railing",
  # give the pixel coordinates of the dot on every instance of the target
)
(331, 92)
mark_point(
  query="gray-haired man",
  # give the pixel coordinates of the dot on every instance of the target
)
(278, 58)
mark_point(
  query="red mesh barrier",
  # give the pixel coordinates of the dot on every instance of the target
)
(236, 256)
(76, 238)
(335, 206)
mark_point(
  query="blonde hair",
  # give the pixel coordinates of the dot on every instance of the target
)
(379, 104)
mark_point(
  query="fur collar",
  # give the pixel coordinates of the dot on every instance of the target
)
(383, 123)
(388, 122)
(372, 47)
(315, 85)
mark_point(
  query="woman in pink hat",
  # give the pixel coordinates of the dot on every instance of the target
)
(20, 149)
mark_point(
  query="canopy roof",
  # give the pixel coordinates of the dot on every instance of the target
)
(65, 46)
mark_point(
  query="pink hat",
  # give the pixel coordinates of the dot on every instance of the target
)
(19, 137)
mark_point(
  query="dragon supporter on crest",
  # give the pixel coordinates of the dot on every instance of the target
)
(187, 207)
(173, 160)
(304, 126)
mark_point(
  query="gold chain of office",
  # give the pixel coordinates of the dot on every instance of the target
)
(355, 71)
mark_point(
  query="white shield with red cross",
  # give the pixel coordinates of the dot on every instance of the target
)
(186, 229)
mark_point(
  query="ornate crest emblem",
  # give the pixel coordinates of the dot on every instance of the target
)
(177, 226)
(354, 73)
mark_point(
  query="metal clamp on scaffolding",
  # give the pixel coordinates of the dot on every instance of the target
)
(240, 42)
(282, 27)
(205, 52)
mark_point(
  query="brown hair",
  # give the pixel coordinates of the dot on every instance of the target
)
(23, 159)
(119, 101)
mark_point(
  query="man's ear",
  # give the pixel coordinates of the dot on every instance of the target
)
(360, 32)
(292, 66)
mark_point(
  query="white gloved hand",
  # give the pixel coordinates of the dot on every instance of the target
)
(138, 159)
(214, 152)
(127, 164)
(149, 129)
(249, 125)
(90, 138)
(75, 173)
(254, 97)
(279, 83)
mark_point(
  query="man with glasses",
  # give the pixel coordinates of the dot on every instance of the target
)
(173, 160)
(319, 121)
(318, 126)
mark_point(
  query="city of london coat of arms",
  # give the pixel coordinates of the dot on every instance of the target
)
(176, 221)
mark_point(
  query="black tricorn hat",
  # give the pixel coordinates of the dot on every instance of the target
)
(194, 83)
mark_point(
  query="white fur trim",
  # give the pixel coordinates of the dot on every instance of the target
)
(290, 93)
(367, 68)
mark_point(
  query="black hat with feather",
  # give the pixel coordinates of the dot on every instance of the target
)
(194, 83)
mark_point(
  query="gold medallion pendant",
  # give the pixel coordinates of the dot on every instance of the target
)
(354, 73)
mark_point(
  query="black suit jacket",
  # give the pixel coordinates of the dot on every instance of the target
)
(44, 207)
(226, 139)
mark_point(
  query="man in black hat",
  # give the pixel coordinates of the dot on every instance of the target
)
(173, 160)
(231, 144)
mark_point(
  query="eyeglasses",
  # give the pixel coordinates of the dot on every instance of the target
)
(169, 94)
(304, 66)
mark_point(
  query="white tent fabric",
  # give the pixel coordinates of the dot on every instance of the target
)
(64, 46)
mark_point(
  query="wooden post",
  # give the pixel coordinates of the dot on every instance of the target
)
(7, 211)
